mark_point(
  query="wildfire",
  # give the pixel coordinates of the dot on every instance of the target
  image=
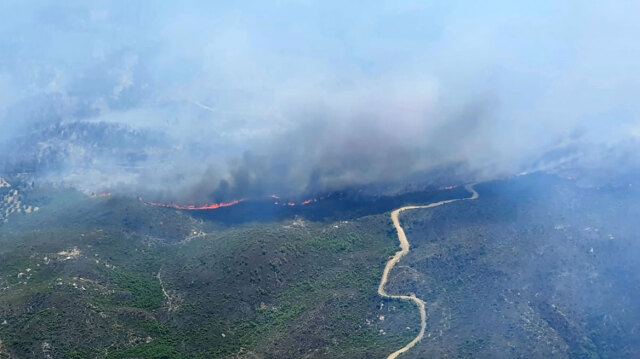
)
(276, 202)
(293, 204)
(101, 195)
(450, 187)
(195, 208)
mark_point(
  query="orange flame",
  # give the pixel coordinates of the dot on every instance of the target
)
(196, 208)
(101, 195)
(293, 204)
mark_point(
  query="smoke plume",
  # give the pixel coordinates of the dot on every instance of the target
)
(216, 101)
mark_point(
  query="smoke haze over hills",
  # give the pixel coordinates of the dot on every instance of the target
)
(203, 101)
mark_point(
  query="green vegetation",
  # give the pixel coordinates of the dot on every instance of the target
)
(512, 274)
(336, 243)
(145, 290)
(281, 289)
(150, 351)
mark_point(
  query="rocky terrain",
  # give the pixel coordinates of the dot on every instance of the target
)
(11, 202)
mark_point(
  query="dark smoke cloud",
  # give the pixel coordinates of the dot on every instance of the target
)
(209, 101)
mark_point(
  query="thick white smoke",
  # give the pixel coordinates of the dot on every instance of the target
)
(217, 100)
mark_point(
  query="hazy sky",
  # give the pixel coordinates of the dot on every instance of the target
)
(312, 95)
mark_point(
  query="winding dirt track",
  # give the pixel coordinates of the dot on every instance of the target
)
(404, 250)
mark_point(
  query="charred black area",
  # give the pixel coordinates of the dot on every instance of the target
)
(334, 206)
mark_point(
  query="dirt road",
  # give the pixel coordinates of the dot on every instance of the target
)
(404, 250)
